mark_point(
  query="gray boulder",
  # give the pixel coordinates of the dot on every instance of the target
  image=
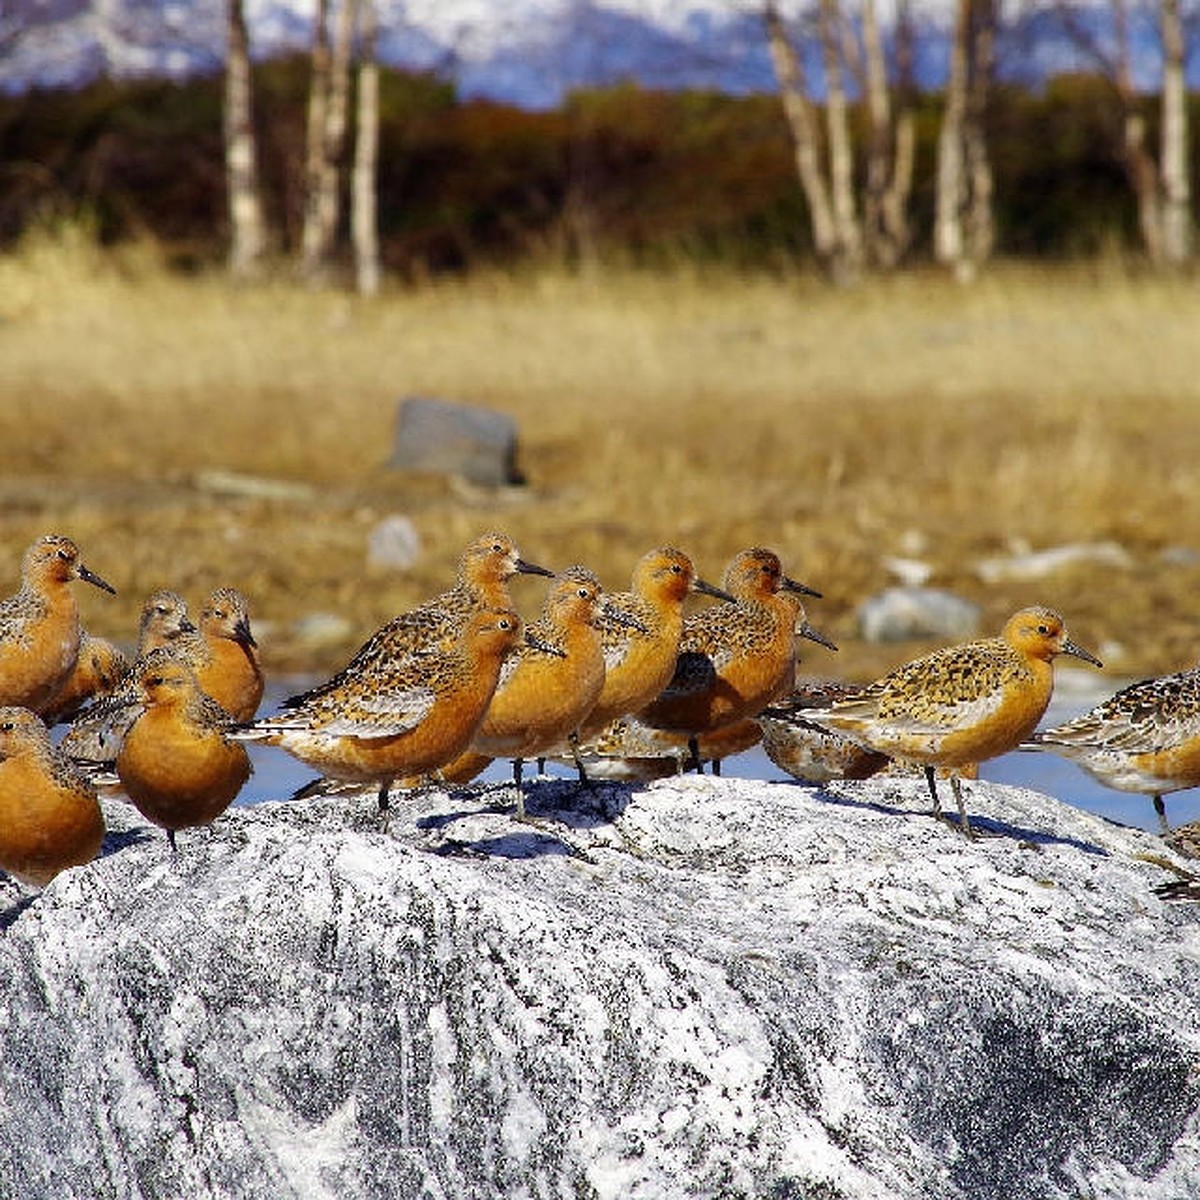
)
(448, 438)
(698, 988)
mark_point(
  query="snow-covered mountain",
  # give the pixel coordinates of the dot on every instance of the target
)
(524, 52)
(527, 52)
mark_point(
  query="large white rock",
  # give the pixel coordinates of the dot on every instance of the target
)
(704, 988)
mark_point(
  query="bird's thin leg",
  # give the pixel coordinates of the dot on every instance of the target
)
(385, 806)
(937, 804)
(573, 741)
(1161, 809)
(518, 772)
(964, 820)
(694, 747)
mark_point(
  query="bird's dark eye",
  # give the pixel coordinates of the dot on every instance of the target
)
(8, 726)
(65, 555)
(1044, 630)
(497, 548)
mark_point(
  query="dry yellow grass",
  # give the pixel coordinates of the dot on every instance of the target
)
(707, 409)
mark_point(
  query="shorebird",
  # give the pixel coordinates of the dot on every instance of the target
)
(395, 716)
(50, 818)
(484, 569)
(163, 619)
(225, 657)
(806, 751)
(639, 654)
(962, 704)
(96, 731)
(176, 762)
(39, 624)
(734, 659)
(100, 668)
(1145, 738)
(547, 688)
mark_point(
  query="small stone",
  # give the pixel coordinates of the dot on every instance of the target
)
(903, 614)
(393, 544)
(911, 572)
(1179, 556)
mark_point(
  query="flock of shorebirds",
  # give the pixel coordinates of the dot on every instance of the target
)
(619, 684)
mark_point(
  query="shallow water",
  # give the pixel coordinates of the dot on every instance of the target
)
(277, 775)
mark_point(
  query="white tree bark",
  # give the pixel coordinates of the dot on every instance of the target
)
(890, 143)
(1162, 189)
(805, 136)
(314, 145)
(963, 220)
(1174, 173)
(364, 217)
(846, 263)
(247, 225)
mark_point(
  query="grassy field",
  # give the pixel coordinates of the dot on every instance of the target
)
(911, 417)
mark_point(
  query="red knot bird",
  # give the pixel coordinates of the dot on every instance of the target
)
(734, 659)
(806, 751)
(226, 664)
(962, 704)
(628, 750)
(639, 654)
(548, 687)
(100, 669)
(396, 716)
(39, 624)
(50, 818)
(96, 731)
(176, 762)
(1144, 739)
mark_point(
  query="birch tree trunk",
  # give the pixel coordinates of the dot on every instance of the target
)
(314, 145)
(846, 262)
(328, 206)
(1176, 183)
(980, 221)
(964, 229)
(948, 241)
(890, 143)
(1139, 164)
(804, 132)
(247, 225)
(899, 193)
(1162, 190)
(364, 220)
